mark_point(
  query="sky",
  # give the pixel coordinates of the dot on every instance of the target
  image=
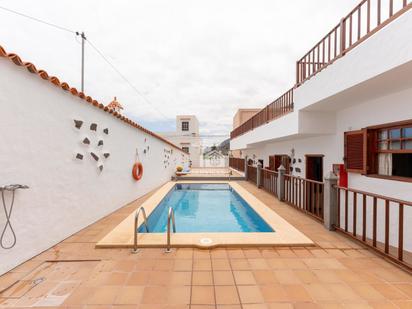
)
(207, 58)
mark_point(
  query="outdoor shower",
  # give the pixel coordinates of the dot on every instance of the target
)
(11, 188)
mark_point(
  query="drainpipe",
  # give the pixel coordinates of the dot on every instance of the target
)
(330, 205)
(281, 183)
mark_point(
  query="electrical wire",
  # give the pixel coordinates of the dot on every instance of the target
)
(38, 20)
(99, 52)
(125, 79)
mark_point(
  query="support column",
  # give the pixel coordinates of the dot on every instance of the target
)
(258, 175)
(281, 183)
(330, 205)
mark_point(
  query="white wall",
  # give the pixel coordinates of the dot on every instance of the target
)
(193, 125)
(390, 108)
(38, 142)
(370, 85)
(189, 138)
(386, 50)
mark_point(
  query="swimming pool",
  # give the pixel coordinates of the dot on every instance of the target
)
(200, 207)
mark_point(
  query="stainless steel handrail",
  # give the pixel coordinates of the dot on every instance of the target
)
(136, 227)
(171, 215)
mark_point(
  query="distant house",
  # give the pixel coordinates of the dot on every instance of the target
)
(214, 158)
(187, 137)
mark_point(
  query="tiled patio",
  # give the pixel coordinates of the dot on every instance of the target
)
(338, 273)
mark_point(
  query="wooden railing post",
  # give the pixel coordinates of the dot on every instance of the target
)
(297, 73)
(330, 205)
(246, 169)
(258, 175)
(343, 36)
(281, 183)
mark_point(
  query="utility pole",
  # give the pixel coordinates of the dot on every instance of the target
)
(82, 35)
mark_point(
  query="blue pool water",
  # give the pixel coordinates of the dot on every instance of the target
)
(206, 208)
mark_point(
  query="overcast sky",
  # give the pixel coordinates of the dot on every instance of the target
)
(207, 58)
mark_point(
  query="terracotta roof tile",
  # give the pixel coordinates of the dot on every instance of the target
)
(65, 86)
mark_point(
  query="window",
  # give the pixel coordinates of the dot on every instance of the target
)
(185, 125)
(394, 151)
(185, 148)
(384, 150)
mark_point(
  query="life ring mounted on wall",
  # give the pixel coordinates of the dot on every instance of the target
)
(137, 171)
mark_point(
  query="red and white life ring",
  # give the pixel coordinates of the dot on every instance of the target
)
(137, 171)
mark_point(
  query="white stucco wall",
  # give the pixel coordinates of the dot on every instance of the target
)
(189, 138)
(370, 85)
(38, 143)
(390, 108)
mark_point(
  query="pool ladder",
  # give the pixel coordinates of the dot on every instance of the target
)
(170, 216)
(136, 227)
(170, 219)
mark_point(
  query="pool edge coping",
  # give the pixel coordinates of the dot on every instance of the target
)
(285, 234)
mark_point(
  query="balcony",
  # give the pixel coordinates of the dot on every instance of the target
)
(364, 20)
(278, 108)
(367, 18)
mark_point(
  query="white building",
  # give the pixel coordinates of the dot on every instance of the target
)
(351, 110)
(187, 137)
(215, 158)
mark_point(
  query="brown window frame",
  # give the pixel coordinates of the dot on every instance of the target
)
(185, 126)
(371, 148)
(389, 140)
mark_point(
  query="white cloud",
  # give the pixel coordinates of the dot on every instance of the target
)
(188, 57)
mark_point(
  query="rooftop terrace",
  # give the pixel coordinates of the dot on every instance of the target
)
(336, 273)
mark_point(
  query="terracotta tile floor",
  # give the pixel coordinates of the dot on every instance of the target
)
(337, 273)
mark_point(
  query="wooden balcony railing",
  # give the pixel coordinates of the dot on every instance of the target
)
(304, 194)
(380, 222)
(364, 20)
(252, 173)
(269, 181)
(283, 105)
(377, 221)
(237, 164)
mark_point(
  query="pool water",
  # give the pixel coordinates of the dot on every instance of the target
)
(206, 208)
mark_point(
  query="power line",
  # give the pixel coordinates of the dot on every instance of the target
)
(38, 20)
(125, 79)
(95, 48)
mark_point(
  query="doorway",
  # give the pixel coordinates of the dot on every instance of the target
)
(314, 191)
(314, 167)
(277, 160)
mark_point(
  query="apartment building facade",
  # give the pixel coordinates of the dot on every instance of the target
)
(349, 114)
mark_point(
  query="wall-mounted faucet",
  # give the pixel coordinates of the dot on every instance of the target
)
(11, 188)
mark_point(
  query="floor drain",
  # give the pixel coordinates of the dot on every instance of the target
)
(37, 281)
(206, 241)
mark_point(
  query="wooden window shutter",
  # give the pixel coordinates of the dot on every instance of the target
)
(356, 151)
